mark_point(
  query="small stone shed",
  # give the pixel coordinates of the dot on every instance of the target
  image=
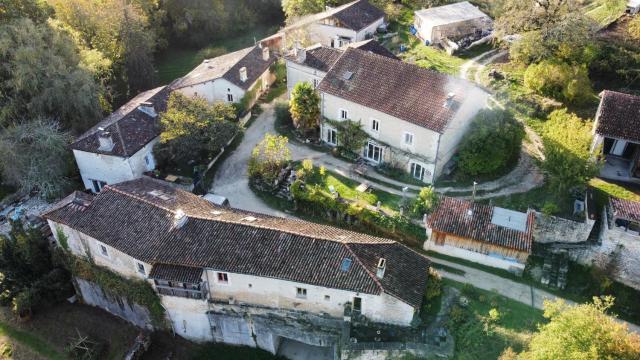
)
(453, 22)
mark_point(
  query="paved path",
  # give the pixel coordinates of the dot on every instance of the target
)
(523, 293)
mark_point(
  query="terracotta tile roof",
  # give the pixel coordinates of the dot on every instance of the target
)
(137, 218)
(452, 217)
(402, 90)
(178, 273)
(619, 116)
(228, 67)
(373, 46)
(322, 57)
(625, 209)
(130, 128)
(358, 15)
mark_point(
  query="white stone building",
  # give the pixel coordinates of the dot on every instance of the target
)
(220, 271)
(120, 147)
(228, 78)
(336, 27)
(415, 118)
(451, 22)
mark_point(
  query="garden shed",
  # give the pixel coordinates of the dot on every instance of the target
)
(451, 22)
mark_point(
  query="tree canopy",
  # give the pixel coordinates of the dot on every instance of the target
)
(305, 106)
(192, 129)
(268, 158)
(582, 331)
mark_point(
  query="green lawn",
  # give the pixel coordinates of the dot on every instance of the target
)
(176, 62)
(31, 341)
(606, 14)
(432, 58)
(477, 340)
(609, 188)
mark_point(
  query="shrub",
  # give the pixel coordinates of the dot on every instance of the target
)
(22, 303)
(268, 158)
(304, 106)
(425, 202)
(560, 81)
(434, 288)
(492, 143)
(550, 208)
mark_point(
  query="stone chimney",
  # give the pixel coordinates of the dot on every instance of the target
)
(382, 266)
(243, 74)
(265, 53)
(180, 218)
(449, 102)
(105, 139)
(148, 108)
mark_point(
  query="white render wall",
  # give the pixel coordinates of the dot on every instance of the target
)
(324, 34)
(474, 256)
(281, 294)
(297, 73)
(391, 129)
(112, 169)
(214, 91)
(369, 30)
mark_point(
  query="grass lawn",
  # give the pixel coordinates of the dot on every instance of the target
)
(536, 199)
(610, 188)
(28, 344)
(606, 14)
(433, 58)
(474, 340)
(176, 62)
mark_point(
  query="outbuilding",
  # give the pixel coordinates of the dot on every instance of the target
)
(451, 22)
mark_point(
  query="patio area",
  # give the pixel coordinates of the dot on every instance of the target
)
(619, 169)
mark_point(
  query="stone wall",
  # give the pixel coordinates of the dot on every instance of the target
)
(92, 294)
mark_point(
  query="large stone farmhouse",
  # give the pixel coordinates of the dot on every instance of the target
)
(218, 270)
(415, 117)
(119, 148)
(336, 27)
(617, 136)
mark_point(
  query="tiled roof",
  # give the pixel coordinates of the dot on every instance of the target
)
(619, 116)
(178, 273)
(453, 216)
(625, 209)
(228, 67)
(322, 57)
(137, 218)
(402, 90)
(130, 128)
(358, 15)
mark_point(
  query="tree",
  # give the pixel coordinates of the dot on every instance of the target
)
(35, 157)
(351, 137)
(582, 331)
(634, 28)
(36, 10)
(192, 129)
(304, 106)
(268, 158)
(426, 201)
(491, 144)
(568, 162)
(296, 8)
(42, 75)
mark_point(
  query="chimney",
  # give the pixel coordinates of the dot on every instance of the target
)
(105, 139)
(449, 101)
(299, 52)
(180, 218)
(265, 53)
(243, 74)
(382, 265)
(147, 108)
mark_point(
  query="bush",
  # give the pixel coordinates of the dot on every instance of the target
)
(434, 289)
(550, 208)
(492, 143)
(22, 303)
(425, 202)
(268, 158)
(560, 81)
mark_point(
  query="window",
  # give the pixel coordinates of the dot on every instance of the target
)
(344, 115)
(417, 171)
(327, 298)
(316, 82)
(103, 250)
(373, 152)
(408, 138)
(149, 162)
(223, 278)
(185, 290)
(332, 136)
(357, 304)
(375, 125)
(97, 185)
(301, 293)
(140, 268)
(230, 98)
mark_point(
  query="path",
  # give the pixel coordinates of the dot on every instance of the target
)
(520, 292)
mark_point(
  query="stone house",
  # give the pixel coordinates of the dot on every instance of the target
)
(451, 22)
(336, 27)
(120, 147)
(484, 234)
(414, 118)
(311, 64)
(616, 136)
(237, 277)
(228, 78)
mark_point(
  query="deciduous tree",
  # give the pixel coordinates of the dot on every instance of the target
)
(268, 158)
